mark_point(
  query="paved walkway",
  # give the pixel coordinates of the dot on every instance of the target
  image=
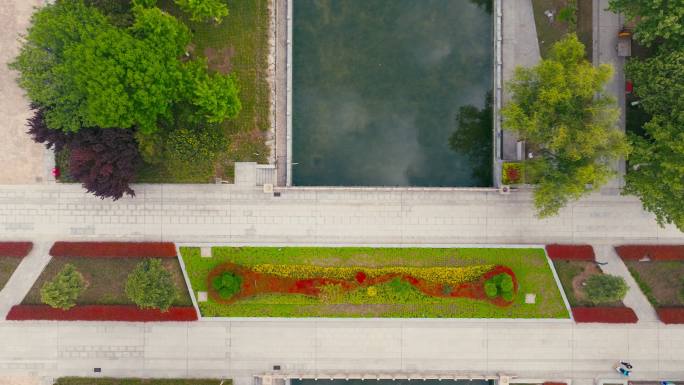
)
(635, 298)
(241, 349)
(24, 276)
(226, 213)
(22, 160)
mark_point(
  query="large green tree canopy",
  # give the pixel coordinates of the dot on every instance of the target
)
(559, 107)
(86, 72)
(656, 172)
(659, 20)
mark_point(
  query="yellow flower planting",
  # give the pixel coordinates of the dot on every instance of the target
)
(372, 291)
(437, 274)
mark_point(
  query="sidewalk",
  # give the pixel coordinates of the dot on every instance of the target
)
(24, 276)
(634, 298)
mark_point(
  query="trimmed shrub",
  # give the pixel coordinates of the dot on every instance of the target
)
(128, 313)
(113, 249)
(227, 284)
(605, 288)
(500, 285)
(64, 289)
(490, 289)
(151, 286)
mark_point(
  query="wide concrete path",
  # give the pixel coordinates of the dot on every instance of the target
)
(225, 213)
(635, 298)
(240, 349)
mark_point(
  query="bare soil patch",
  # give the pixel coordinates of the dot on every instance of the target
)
(661, 281)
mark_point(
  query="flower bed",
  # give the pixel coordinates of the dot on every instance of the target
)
(671, 315)
(100, 313)
(571, 252)
(374, 282)
(653, 252)
(604, 315)
(113, 249)
(512, 173)
(15, 249)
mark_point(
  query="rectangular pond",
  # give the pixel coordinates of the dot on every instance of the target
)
(392, 93)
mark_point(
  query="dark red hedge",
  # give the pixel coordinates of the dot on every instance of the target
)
(15, 249)
(571, 252)
(100, 313)
(113, 249)
(671, 315)
(655, 252)
(613, 315)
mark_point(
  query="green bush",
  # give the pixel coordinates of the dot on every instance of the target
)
(500, 285)
(227, 284)
(200, 10)
(490, 289)
(64, 289)
(605, 288)
(191, 152)
(150, 285)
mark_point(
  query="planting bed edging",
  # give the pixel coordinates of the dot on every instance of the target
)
(15, 249)
(604, 315)
(570, 252)
(654, 252)
(114, 249)
(101, 313)
(671, 315)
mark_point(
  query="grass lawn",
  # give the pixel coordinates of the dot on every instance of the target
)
(529, 265)
(106, 279)
(661, 281)
(7, 267)
(572, 275)
(138, 381)
(550, 32)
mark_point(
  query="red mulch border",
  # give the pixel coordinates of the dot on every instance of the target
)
(15, 249)
(671, 315)
(655, 252)
(614, 315)
(101, 313)
(571, 252)
(113, 249)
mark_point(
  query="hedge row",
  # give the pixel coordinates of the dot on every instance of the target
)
(615, 315)
(671, 315)
(571, 252)
(654, 252)
(101, 313)
(15, 249)
(113, 249)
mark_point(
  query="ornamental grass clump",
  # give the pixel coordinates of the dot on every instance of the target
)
(605, 288)
(64, 289)
(150, 285)
(501, 285)
(227, 284)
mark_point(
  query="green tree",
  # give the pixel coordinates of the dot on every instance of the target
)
(150, 285)
(603, 288)
(658, 20)
(200, 10)
(560, 109)
(64, 289)
(87, 73)
(656, 165)
(215, 97)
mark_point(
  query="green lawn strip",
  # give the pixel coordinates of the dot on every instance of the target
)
(139, 381)
(549, 33)
(530, 266)
(662, 282)
(106, 279)
(7, 267)
(243, 38)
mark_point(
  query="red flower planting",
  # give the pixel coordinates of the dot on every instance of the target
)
(113, 249)
(570, 252)
(613, 315)
(671, 315)
(15, 249)
(654, 252)
(101, 313)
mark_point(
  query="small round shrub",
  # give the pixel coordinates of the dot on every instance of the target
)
(605, 288)
(64, 289)
(505, 283)
(447, 289)
(507, 296)
(227, 284)
(372, 291)
(490, 289)
(150, 285)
